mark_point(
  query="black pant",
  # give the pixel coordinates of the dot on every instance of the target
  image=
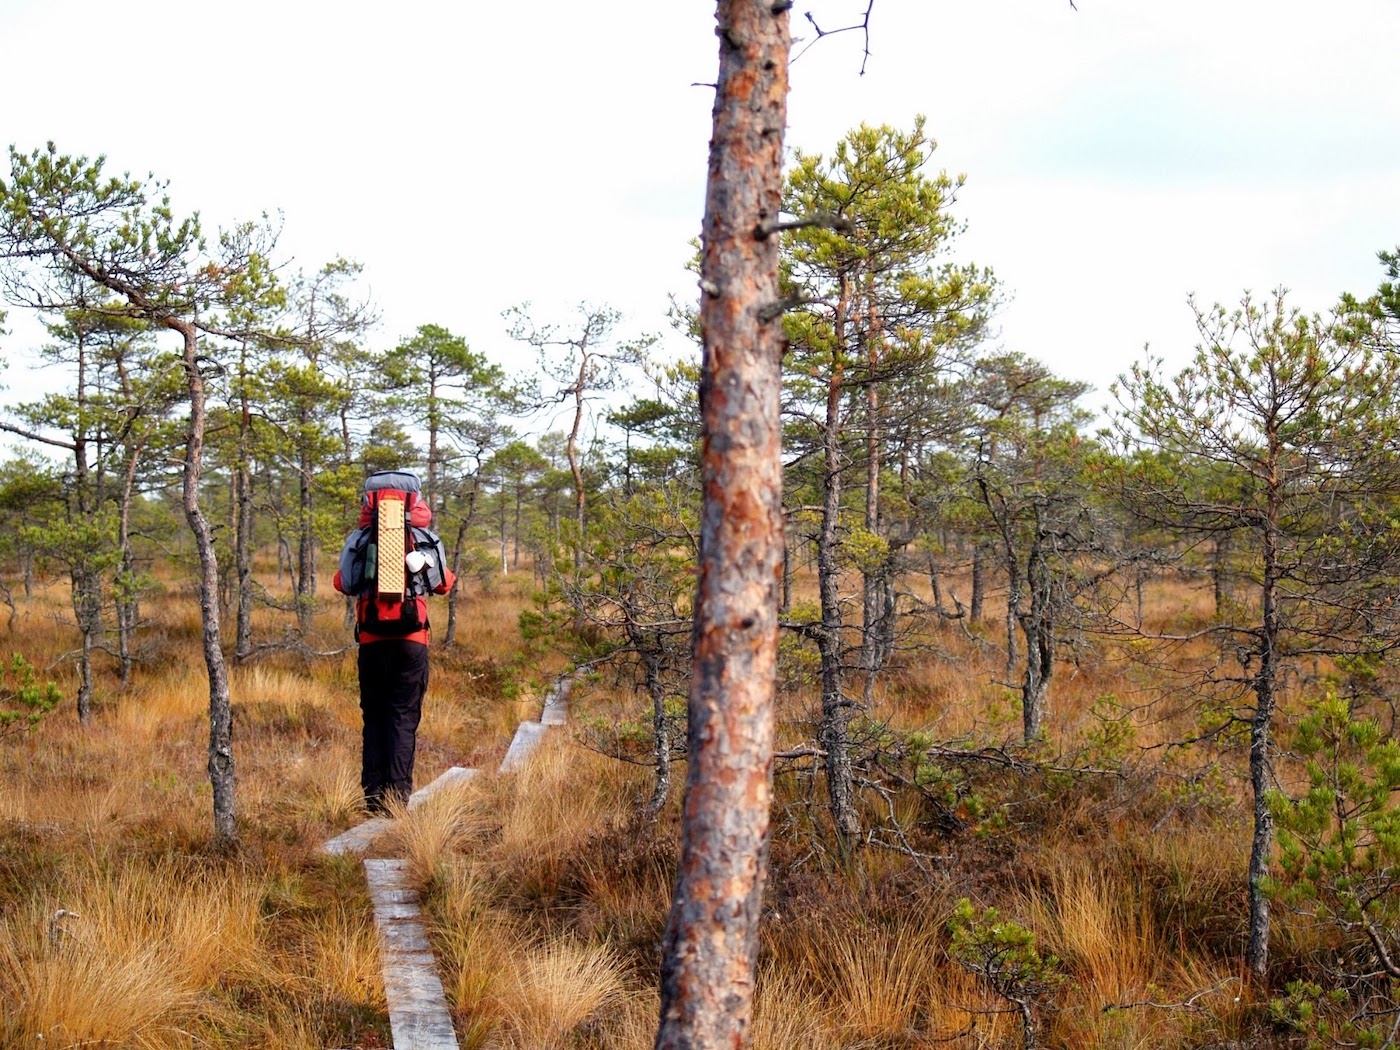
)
(393, 679)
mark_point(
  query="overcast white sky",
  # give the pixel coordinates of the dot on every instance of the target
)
(473, 156)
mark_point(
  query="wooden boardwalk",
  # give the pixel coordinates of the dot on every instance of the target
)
(418, 1013)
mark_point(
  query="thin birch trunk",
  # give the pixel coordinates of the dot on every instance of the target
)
(833, 733)
(221, 771)
(1261, 748)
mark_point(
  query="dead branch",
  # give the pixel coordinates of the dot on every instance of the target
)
(1190, 1003)
(863, 26)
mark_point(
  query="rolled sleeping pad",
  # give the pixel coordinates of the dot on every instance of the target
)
(403, 480)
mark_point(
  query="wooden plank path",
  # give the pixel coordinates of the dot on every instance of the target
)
(556, 703)
(527, 738)
(418, 1014)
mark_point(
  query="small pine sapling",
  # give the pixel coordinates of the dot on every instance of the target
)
(23, 701)
(1003, 954)
(1339, 861)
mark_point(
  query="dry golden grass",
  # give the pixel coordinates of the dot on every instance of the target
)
(332, 798)
(510, 989)
(547, 897)
(447, 821)
(874, 982)
(548, 992)
(786, 1014)
(72, 996)
(287, 1028)
(629, 1024)
(1097, 925)
(343, 953)
(550, 808)
(490, 621)
(267, 686)
(126, 955)
(476, 941)
(179, 695)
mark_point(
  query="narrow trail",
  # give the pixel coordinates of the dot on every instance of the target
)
(418, 1013)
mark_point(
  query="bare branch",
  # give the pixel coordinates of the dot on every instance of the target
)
(863, 26)
(30, 435)
(824, 220)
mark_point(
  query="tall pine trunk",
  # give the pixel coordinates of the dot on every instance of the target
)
(1038, 626)
(459, 544)
(979, 582)
(934, 586)
(86, 585)
(575, 466)
(243, 560)
(306, 550)
(874, 579)
(126, 600)
(649, 651)
(87, 609)
(1219, 560)
(710, 948)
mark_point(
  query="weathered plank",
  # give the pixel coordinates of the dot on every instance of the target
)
(418, 1014)
(359, 838)
(454, 775)
(527, 738)
(556, 703)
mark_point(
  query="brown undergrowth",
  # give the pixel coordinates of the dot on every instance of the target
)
(121, 925)
(1122, 856)
(547, 891)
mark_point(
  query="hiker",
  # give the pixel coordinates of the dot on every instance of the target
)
(390, 564)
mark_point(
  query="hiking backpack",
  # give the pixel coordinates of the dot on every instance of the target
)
(391, 601)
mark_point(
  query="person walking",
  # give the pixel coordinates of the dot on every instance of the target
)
(390, 564)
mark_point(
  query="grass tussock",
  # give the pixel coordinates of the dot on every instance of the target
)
(152, 705)
(1097, 925)
(476, 942)
(261, 685)
(446, 822)
(126, 956)
(562, 798)
(786, 1014)
(343, 950)
(73, 996)
(549, 992)
(874, 982)
(331, 799)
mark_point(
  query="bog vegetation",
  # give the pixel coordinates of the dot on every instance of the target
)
(1085, 725)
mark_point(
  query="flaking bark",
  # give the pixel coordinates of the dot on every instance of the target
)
(711, 941)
